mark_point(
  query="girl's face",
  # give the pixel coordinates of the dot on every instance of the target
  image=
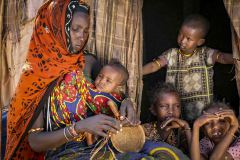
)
(189, 39)
(216, 129)
(79, 31)
(108, 79)
(167, 105)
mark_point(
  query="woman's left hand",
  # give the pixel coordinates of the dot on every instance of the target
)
(174, 123)
(128, 114)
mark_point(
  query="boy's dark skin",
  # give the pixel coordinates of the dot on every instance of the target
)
(189, 38)
(190, 67)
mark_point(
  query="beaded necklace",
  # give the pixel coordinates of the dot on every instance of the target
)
(187, 54)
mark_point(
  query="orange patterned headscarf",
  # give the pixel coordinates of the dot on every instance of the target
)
(48, 58)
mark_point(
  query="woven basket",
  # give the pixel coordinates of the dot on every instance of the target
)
(130, 139)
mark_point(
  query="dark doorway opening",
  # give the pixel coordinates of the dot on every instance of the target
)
(161, 21)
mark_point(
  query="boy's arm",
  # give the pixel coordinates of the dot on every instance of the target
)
(223, 58)
(155, 65)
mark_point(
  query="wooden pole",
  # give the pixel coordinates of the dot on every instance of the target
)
(1, 133)
(1, 59)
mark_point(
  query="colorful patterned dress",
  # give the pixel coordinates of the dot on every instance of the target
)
(72, 100)
(193, 78)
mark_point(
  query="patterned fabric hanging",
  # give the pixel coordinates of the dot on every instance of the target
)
(233, 10)
(116, 32)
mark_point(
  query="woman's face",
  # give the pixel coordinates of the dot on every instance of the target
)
(167, 106)
(79, 31)
(216, 129)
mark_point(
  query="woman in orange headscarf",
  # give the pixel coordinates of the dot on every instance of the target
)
(48, 116)
(59, 36)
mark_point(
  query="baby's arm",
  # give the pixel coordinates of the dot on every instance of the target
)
(220, 150)
(223, 58)
(195, 146)
(155, 65)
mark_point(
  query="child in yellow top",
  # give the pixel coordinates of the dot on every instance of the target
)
(190, 67)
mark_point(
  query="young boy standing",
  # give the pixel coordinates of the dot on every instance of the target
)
(190, 67)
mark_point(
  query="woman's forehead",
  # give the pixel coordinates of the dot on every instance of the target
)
(81, 19)
(78, 14)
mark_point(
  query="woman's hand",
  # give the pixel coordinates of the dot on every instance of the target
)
(174, 123)
(128, 114)
(99, 124)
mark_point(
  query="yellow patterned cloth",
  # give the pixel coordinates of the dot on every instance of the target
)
(193, 78)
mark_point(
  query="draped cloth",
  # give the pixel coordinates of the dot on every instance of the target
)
(233, 10)
(18, 21)
(47, 60)
(116, 32)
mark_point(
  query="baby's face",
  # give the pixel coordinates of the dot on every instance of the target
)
(189, 39)
(108, 79)
(216, 129)
(167, 106)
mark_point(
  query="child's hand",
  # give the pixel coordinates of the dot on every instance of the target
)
(174, 123)
(229, 115)
(205, 118)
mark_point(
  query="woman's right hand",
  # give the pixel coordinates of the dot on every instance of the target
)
(99, 124)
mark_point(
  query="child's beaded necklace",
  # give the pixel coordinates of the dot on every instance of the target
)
(187, 54)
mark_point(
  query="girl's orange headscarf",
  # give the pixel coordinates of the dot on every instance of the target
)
(47, 59)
